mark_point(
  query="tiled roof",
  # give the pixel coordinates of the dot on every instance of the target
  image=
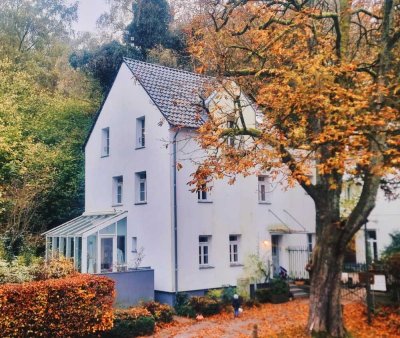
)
(176, 93)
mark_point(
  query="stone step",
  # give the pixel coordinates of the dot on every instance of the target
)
(299, 292)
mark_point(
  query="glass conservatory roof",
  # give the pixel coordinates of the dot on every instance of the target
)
(85, 224)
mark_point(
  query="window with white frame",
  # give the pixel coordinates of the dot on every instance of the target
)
(204, 250)
(134, 244)
(230, 139)
(264, 195)
(234, 242)
(202, 193)
(118, 182)
(373, 245)
(140, 132)
(105, 142)
(141, 187)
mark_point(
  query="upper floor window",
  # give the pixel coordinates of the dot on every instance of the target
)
(204, 250)
(141, 187)
(373, 244)
(202, 193)
(234, 241)
(118, 187)
(140, 132)
(230, 139)
(263, 189)
(105, 141)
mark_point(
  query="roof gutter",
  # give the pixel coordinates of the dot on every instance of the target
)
(175, 201)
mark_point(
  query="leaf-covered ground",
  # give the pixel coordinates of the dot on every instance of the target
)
(281, 320)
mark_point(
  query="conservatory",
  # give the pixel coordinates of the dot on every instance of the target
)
(95, 242)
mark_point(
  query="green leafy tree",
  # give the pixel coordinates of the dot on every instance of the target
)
(394, 246)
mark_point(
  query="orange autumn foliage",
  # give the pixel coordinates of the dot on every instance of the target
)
(67, 307)
(284, 320)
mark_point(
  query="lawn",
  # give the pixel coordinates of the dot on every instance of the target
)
(280, 320)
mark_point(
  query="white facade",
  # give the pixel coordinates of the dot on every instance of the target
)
(229, 221)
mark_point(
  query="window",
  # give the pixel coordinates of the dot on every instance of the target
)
(141, 187)
(117, 187)
(263, 193)
(234, 248)
(140, 132)
(230, 139)
(309, 244)
(134, 244)
(204, 250)
(373, 244)
(202, 193)
(105, 142)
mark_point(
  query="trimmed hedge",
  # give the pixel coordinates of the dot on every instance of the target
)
(73, 306)
(162, 313)
(133, 322)
(205, 305)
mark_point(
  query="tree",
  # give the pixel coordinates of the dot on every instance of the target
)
(326, 83)
(394, 246)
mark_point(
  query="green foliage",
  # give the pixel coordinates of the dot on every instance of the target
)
(132, 323)
(279, 287)
(182, 307)
(263, 295)
(394, 246)
(205, 305)
(161, 312)
(17, 271)
(227, 295)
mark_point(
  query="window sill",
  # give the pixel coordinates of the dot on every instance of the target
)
(134, 251)
(117, 205)
(140, 203)
(137, 148)
(204, 201)
(205, 267)
(232, 265)
(267, 203)
(103, 156)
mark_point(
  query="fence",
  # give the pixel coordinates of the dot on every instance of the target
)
(298, 260)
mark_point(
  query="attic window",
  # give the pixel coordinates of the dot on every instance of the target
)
(140, 132)
(105, 142)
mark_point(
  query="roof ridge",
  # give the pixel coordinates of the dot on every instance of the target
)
(126, 59)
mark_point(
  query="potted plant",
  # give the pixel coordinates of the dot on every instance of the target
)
(280, 291)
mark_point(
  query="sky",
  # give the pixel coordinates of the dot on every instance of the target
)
(88, 12)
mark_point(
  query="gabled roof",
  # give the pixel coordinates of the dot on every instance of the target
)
(176, 93)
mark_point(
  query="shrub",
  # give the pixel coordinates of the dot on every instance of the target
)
(263, 295)
(136, 321)
(205, 305)
(16, 271)
(56, 267)
(215, 294)
(161, 312)
(182, 307)
(279, 287)
(72, 306)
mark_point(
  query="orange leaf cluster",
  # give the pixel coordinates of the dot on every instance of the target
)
(67, 307)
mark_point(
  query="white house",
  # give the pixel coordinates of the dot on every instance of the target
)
(139, 209)
(139, 204)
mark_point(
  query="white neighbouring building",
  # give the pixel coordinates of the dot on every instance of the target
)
(138, 204)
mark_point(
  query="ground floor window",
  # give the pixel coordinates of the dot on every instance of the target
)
(234, 241)
(204, 250)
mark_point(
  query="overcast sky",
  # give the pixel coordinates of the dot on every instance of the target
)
(88, 12)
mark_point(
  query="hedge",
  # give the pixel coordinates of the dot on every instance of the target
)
(162, 313)
(133, 322)
(73, 306)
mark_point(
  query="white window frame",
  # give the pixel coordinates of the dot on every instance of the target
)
(234, 248)
(230, 140)
(203, 194)
(105, 142)
(140, 132)
(264, 185)
(204, 250)
(118, 190)
(373, 245)
(134, 244)
(141, 181)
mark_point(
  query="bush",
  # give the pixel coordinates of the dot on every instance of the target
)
(279, 287)
(182, 307)
(56, 267)
(133, 322)
(215, 294)
(263, 295)
(227, 295)
(205, 305)
(57, 308)
(16, 271)
(161, 312)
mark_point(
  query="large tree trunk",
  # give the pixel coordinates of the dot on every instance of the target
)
(325, 316)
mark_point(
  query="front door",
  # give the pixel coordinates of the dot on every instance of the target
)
(275, 253)
(107, 254)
